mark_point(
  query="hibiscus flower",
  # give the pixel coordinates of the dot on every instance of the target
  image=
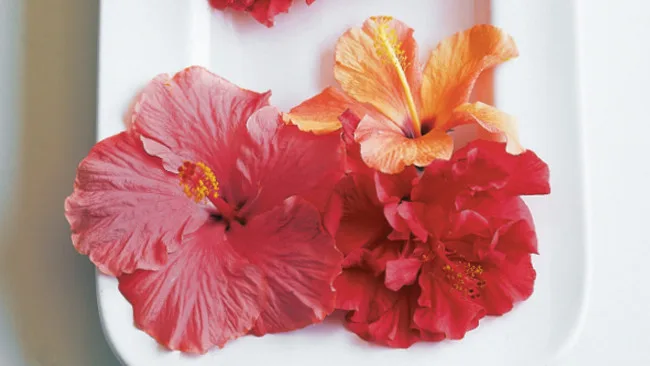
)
(409, 109)
(427, 255)
(264, 11)
(208, 209)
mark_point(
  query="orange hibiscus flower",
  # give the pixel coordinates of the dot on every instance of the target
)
(408, 109)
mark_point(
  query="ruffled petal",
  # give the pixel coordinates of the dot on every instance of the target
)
(126, 211)
(502, 126)
(362, 222)
(507, 283)
(195, 116)
(205, 295)
(264, 11)
(401, 272)
(321, 113)
(456, 63)
(385, 148)
(486, 166)
(396, 187)
(443, 308)
(376, 313)
(278, 161)
(367, 72)
(298, 257)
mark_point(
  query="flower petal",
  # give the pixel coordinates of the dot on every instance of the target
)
(369, 77)
(501, 125)
(196, 116)
(264, 11)
(444, 309)
(509, 282)
(396, 187)
(385, 148)
(292, 248)
(126, 211)
(401, 272)
(456, 63)
(363, 221)
(486, 166)
(278, 161)
(320, 114)
(204, 296)
(377, 314)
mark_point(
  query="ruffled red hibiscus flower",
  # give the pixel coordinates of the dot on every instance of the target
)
(407, 109)
(428, 255)
(264, 11)
(207, 210)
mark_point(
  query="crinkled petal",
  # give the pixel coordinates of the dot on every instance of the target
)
(205, 295)
(298, 257)
(385, 148)
(370, 77)
(501, 126)
(278, 161)
(126, 211)
(196, 116)
(443, 308)
(456, 63)
(401, 272)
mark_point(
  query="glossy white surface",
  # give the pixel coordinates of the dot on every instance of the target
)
(294, 59)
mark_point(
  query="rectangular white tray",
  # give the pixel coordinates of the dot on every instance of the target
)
(140, 39)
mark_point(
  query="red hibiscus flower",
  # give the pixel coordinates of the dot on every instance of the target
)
(264, 11)
(207, 209)
(427, 255)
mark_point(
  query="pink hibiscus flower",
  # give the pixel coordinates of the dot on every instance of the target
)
(427, 255)
(264, 11)
(208, 209)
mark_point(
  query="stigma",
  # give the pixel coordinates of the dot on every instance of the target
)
(198, 181)
(390, 51)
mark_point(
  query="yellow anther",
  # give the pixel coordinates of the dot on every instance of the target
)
(198, 181)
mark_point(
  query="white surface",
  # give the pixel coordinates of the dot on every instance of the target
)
(294, 59)
(46, 119)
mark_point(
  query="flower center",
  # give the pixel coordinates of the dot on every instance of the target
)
(200, 185)
(198, 181)
(465, 278)
(389, 49)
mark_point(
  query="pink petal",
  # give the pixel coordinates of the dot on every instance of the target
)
(126, 211)
(195, 116)
(297, 255)
(204, 296)
(401, 272)
(278, 161)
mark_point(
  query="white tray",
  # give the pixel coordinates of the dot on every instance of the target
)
(142, 38)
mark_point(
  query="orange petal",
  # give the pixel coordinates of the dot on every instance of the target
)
(320, 114)
(368, 64)
(456, 63)
(385, 148)
(500, 125)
